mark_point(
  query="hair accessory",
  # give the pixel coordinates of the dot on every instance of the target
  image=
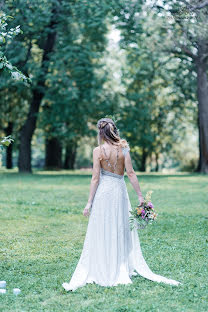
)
(103, 124)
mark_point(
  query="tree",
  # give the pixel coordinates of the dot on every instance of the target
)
(8, 71)
(38, 93)
(60, 50)
(188, 36)
(154, 100)
(75, 82)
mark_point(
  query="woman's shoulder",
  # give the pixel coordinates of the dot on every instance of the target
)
(96, 150)
(124, 144)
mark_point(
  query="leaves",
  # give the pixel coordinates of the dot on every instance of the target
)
(6, 141)
(9, 34)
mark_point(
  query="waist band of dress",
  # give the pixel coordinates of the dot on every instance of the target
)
(111, 174)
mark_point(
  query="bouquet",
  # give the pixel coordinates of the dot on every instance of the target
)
(143, 214)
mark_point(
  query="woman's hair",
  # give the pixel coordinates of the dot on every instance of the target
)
(108, 132)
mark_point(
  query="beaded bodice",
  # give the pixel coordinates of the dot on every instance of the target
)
(111, 174)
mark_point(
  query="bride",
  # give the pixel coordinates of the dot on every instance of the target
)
(111, 252)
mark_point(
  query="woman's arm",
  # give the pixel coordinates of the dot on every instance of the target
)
(94, 180)
(132, 177)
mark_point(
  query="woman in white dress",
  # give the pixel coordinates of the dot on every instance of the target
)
(111, 252)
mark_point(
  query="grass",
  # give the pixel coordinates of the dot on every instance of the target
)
(42, 231)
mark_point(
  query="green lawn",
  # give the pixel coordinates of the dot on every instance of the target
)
(42, 231)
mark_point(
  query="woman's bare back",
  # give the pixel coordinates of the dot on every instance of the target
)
(112, 158)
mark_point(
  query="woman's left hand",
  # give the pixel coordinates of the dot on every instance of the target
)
(141, 200)
(86, 210)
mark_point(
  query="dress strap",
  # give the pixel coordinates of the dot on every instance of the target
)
(125, 150)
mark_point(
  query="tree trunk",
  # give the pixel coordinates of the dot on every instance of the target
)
(9, 162)
(53, 155)
(202, 94)
(70, 155)
(156, 160)
(24, 161)
(26, 133)
(143, 160)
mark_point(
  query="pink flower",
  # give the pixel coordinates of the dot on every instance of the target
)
(150, 205)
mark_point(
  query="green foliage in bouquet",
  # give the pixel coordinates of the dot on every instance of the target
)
(143, 214)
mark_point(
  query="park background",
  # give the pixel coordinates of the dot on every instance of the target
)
(63, 65)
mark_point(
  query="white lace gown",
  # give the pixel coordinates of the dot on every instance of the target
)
(111, 252)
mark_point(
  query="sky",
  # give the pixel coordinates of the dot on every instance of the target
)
(114, 35)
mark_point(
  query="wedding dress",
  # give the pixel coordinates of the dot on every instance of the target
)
(111, 252)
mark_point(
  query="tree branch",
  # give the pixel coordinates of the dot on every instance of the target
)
(200, 6)
(204, 57)
(181, 53)
(187, 51)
